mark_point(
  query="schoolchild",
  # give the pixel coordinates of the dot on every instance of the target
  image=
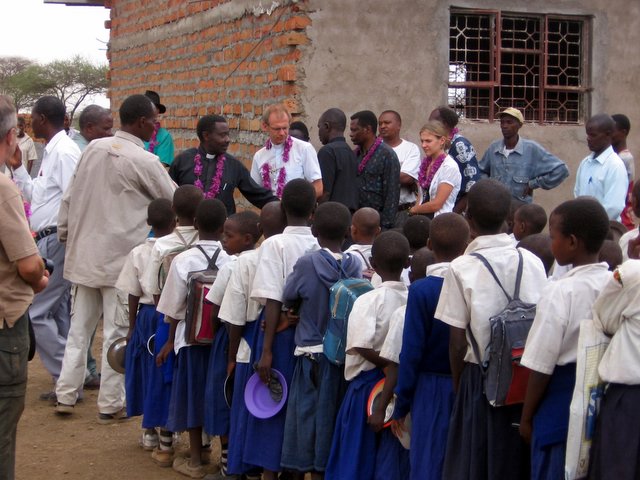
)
(482, 441)
(354, 446)
(529, 219)
(614, 451)
(365, 227)
(274, 348)
(186, 199)
(611, 254)
(634, 232)
(240, 234)
(317, 386)
(416, 229)
(143, 319)
(540, 245)
(578, 228)
(241, 315)
(186, 406)
(418, 346)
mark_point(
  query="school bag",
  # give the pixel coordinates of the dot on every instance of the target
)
(505, 379)
(342, 295)
(368, 272)
(168, 257)
(199, 329)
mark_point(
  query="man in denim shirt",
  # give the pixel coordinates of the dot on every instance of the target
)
(521, 165)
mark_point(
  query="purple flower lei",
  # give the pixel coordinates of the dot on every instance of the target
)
(370, 152)
(153, 143)
(25, 204)
(282, 175)
(214, 188)
(453, 133)
(428, 169)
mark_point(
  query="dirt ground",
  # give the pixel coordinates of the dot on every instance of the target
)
(52, 447)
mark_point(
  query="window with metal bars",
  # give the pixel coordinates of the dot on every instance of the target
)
(536, 63)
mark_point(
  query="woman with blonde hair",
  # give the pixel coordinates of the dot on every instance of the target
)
(439, 178)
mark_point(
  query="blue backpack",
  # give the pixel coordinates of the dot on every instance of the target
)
(342, 295)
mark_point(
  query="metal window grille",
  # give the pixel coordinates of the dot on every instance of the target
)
(536, 63)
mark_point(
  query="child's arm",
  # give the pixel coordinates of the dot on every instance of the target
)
(134, 302)
(372, 356)
(167, 348)
(215, 321)
(235, 335)
(536, 389)
(457, 351)
(272, 311)
(376, 420)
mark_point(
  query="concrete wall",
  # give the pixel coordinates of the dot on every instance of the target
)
(379, 55)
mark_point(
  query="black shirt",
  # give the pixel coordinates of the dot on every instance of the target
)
(339, 168)
(235, 175)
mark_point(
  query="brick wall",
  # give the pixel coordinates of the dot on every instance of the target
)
(206, 57)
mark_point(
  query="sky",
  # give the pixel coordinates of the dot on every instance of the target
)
(43, 33)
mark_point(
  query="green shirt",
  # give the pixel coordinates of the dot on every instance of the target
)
(164, 148)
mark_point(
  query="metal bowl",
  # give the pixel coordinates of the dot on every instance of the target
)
(116, 354)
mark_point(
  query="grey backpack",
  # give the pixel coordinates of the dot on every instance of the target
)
(505, 380)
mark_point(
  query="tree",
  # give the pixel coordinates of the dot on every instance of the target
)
(28, 85)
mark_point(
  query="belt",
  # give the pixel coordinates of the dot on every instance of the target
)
(45, 232)
(405, 206)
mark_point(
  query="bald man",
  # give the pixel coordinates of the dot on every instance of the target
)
(95, 122)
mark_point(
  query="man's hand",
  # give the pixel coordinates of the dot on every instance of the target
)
(16, 160)
(42, 283)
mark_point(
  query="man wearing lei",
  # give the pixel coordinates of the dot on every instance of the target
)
(284, 158)
(160, 143)
(378, 179)
(217, 173)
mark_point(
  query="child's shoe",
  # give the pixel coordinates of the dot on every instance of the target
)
(181, 465)
(162, 458)
(149, 440)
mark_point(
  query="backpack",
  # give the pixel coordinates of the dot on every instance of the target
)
(368, 272)
(342, 295)
(505, 380)
(169, 256)
(199, 328)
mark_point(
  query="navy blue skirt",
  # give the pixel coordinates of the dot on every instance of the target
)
(266, 435)
(392, 459)
(430, 413)
(354, 446)
(239, 412)
(158, 394)
(186, 407)
(138, 361)
(216, 414)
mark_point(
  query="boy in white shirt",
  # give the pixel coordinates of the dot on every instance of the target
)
(635, 232)
(353, 450)
(488, 446)
(186, 199)
(365, 227)
(578, 229)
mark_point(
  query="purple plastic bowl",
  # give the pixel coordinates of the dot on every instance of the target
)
(258, 398)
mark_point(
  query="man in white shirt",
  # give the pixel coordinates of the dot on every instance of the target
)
(602, 173)
(27, 147)
(408, 154)
(50, 311)
(284, 157)
(100, 226)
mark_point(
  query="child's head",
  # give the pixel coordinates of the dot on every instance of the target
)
(616, 230)
(488, 204)
(635, 198)
(540, 245)
(160, 217)
(390, 255)
(515, 205)
(578, 228)
(365, 226)
(416, 229)
(621, 129)
(272, 219)
(449, 236)
(186, 199)
(331, 222)
(210, 217)
(419, 262)
(298, 199)
(530, 218)
(611, 253)
(240, 232)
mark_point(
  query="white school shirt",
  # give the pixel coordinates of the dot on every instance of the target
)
(163, 246)
(449, 173)
(237, 308)
(553, 338)
(359, 251)
(45, 191)
(277, 256)
(216, 292)
(624, 242)
(470, 295)
(131, 274)
(393, 343)
(173, 300)
(303, 163)
(409, 157)
(369, 324)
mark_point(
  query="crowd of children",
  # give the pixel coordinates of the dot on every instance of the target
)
(423, 331)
